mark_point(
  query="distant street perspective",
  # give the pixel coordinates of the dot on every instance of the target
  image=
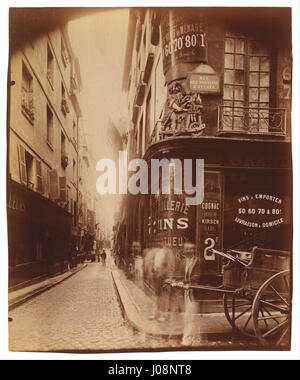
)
(149, 179)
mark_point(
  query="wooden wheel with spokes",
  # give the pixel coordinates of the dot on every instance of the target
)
(273, 299)
(238, 313)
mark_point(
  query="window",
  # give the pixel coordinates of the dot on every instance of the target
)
(53, 184)
(50, 66)
(39, 177)
(27, 94)
(140, 147)
(29, 169)
(49, 127)
(74, 132)
(148, 119)
(246, 95)
(64, 53)
(74, 171)
(64, 103)
(64, 157)
(63, 189)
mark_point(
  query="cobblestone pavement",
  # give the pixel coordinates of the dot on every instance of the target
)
(82, 314)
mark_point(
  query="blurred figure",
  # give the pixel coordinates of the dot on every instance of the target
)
(190, 257)
(163, 261)
(103, 257)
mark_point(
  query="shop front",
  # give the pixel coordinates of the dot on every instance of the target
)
(39, 234)
(246, 203)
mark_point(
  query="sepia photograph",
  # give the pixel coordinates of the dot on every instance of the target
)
(149, 179)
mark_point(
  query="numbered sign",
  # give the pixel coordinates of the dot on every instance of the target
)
(209, 224)
(183, 38)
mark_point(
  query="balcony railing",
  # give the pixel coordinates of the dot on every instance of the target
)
(163, 132)
(251, 120)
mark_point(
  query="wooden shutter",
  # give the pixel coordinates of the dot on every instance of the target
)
(39, 177)
(63, 189)
(53, 184)
(22, 165)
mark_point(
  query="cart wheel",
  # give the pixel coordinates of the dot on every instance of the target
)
(238, 313)
(273, 298)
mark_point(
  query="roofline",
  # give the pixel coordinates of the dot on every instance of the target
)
(129, 47)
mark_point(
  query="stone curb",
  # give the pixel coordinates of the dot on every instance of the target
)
(134, 318)
(17, 301)
(132, 314)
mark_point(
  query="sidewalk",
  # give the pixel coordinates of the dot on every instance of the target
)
(17, 297)
(138, 306)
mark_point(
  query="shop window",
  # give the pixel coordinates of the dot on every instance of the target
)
(246, 92)
(49, 127)
(27, 94)
(50, 66)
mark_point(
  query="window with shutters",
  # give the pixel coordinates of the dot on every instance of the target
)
(50, 131)
(27, 94)
(53, 185)
(63, 189)
(247, 103)
(26, 167)
(22, 165)
(39, 177)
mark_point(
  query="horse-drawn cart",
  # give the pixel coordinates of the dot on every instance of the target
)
(256, 293)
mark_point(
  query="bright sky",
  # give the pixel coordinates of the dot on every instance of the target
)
(99, 42)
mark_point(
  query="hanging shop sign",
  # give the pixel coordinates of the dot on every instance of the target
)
(209, 223)
(203, 83)
(183, 38)
(260, 211)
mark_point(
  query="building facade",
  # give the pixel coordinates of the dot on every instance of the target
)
(211, 84)
(43, 165)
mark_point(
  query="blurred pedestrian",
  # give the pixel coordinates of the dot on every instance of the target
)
(103, 257)
(163, 268)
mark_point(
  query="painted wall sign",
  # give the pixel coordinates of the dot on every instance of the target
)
(209, 223)
(259, 211)
(15, 203)
(171, 221)
(183, 38)
(286, 83)
(203, 83)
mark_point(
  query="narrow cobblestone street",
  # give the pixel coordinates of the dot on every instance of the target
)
(82, 313)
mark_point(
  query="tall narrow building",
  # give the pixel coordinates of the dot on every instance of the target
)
(43, 158)
(211, 84)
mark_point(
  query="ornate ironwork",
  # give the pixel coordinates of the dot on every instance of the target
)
(252, 120)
